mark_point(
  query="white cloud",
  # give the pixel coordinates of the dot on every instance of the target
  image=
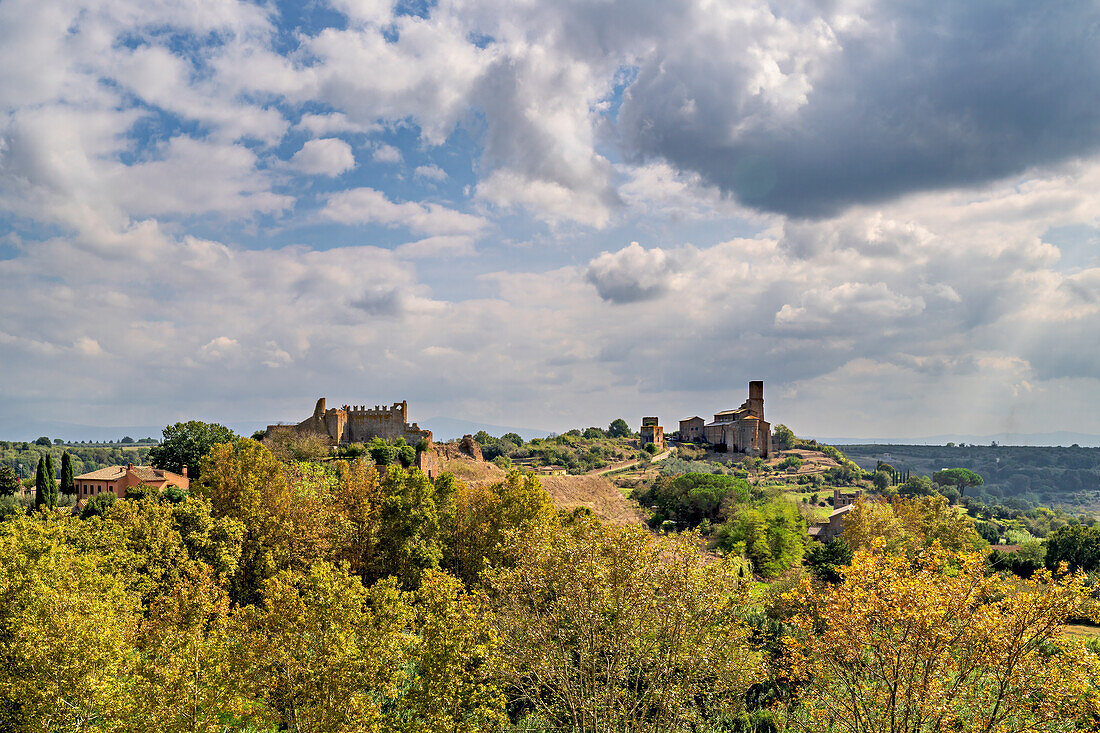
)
(327, 156)
(368, 206)
(387, 154)
(431, 172)
(442, 247)
(334, 123)
(633, 274)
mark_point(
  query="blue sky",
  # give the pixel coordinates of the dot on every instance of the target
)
(552, 214)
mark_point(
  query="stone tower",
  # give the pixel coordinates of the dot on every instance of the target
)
(756, 399)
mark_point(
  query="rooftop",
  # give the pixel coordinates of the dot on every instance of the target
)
(111, 473)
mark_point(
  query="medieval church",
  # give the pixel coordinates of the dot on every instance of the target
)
(742, 430)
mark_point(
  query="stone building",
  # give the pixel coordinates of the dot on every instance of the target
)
(117, 479)
(651, 432)
(357, 424)
(743, 430)
(691, 429)
(843, 502)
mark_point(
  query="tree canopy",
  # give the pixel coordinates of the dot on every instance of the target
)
(185, 444)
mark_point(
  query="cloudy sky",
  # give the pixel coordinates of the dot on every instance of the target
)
(552, 213)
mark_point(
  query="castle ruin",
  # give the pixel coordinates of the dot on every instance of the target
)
(356, 424)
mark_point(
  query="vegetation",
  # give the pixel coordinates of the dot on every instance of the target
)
(1016, 477)
(933, 643)
(355, 594)
(23, 457)
(578, 452)
(185, 445)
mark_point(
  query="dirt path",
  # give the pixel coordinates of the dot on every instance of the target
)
(627, 464)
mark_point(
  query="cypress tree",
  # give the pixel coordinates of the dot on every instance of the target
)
(40, 483)
(68, 485)
(51, 483)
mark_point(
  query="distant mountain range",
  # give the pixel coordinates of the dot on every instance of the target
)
(1061, 437)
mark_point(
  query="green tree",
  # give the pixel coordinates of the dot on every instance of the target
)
(68, 485)
(185, 444)
(41, 495)
(825, 561)
(618, 428)
(9, 481)
(881, 481)
(381, 451)
(1075, 545)
(958, 477)
(783, 438)
(98, 505)
(513, 438)
(43, 441)
(51, 483)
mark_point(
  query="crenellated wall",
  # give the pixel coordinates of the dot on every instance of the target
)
(358, 424)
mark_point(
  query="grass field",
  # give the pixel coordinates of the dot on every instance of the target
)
(1081, 631)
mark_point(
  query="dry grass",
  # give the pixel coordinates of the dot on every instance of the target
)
(1081, 631)
(567, 492)
(596, 493)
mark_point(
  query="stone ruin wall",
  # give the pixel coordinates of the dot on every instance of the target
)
(357, 424)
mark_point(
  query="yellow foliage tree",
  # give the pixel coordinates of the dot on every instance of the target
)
(931, 644)
(187, 677)
(286, 512)
(325, 654)
(454, 651)
(67, 626)
(487, 516)
(612, 629)
(906, 525)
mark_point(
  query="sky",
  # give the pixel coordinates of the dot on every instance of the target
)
(549, 214)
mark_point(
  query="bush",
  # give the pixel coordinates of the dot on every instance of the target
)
(790, 463)
(650, 448)
(381, 452)
(97, 506)
(690, 498)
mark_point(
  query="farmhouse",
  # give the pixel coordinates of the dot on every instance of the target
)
(833, 527)
(117, 479)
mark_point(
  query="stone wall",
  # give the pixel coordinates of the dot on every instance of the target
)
(357, 424)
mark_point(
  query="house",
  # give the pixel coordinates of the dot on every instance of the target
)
(833, 527)
(117, 479)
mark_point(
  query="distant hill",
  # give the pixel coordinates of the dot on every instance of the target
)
(447, 428)
(1059, 438)
(76, 432)
(1015, 476)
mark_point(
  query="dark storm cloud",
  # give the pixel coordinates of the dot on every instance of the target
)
(923, 95)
